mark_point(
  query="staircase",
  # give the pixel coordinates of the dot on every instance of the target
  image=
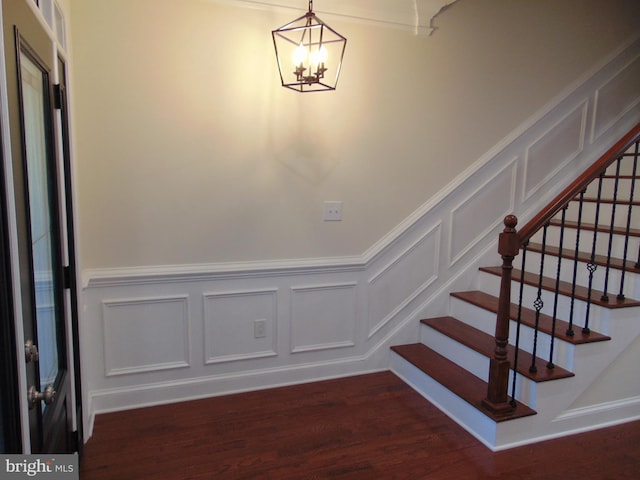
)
(513, 356)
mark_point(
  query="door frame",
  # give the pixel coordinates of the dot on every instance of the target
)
(11, 425)
(66, 195)
(13, 264)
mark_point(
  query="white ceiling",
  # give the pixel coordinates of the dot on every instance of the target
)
(416, 15)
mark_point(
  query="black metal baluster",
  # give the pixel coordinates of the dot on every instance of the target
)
(591, 266)
(628, 228)
(550, 363)
(538, 303)
(518, 323)
(612, 224)
(570, 331)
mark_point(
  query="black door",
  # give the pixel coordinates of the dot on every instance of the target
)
(42, 249)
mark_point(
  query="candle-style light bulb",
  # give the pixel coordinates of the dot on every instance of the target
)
(319, 56)
(300, 55)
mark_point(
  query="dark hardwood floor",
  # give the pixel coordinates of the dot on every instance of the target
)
(366, 427)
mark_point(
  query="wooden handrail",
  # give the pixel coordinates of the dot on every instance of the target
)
(577, 186)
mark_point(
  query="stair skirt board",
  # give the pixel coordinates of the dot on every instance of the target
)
(568, 422)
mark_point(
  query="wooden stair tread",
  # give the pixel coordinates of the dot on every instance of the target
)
(633, 232)
(581, 292)
(617, 263)
(485, 344)
(528, 318)
(455, 378)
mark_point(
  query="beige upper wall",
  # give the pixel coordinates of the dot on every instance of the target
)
(188, 150)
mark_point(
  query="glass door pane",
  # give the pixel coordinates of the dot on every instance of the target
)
(41, 220)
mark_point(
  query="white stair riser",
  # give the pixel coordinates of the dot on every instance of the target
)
(484, 320)
(586, 242)
(476, 317)
(458, 353)
(472, 361)
(550, 269)
(576, 311)
(604, 212)
(599, 317)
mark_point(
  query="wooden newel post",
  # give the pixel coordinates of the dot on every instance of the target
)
(497, 399)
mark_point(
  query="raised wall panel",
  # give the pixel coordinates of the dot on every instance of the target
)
(555, 148)
(481, 211)
(229, 320)
(616, 97)
(323, 317)
(400, 281)
(145, 334)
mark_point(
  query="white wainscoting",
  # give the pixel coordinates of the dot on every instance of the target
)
(407, 275)
(615, 96)
(163, 334)
(323, 317)
(483, 209)
(229, 319)
(550, 152)
(145, 334)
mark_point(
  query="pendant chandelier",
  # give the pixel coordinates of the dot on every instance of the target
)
(309, 53)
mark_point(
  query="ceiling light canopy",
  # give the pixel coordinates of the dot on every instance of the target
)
(309, 53)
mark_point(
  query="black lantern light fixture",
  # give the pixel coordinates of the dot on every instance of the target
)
(309, 53)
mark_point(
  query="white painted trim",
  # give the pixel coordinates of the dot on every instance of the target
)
(162, 393)
(624, 411)
(112, 277)
(12, 235)
(633, 402)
